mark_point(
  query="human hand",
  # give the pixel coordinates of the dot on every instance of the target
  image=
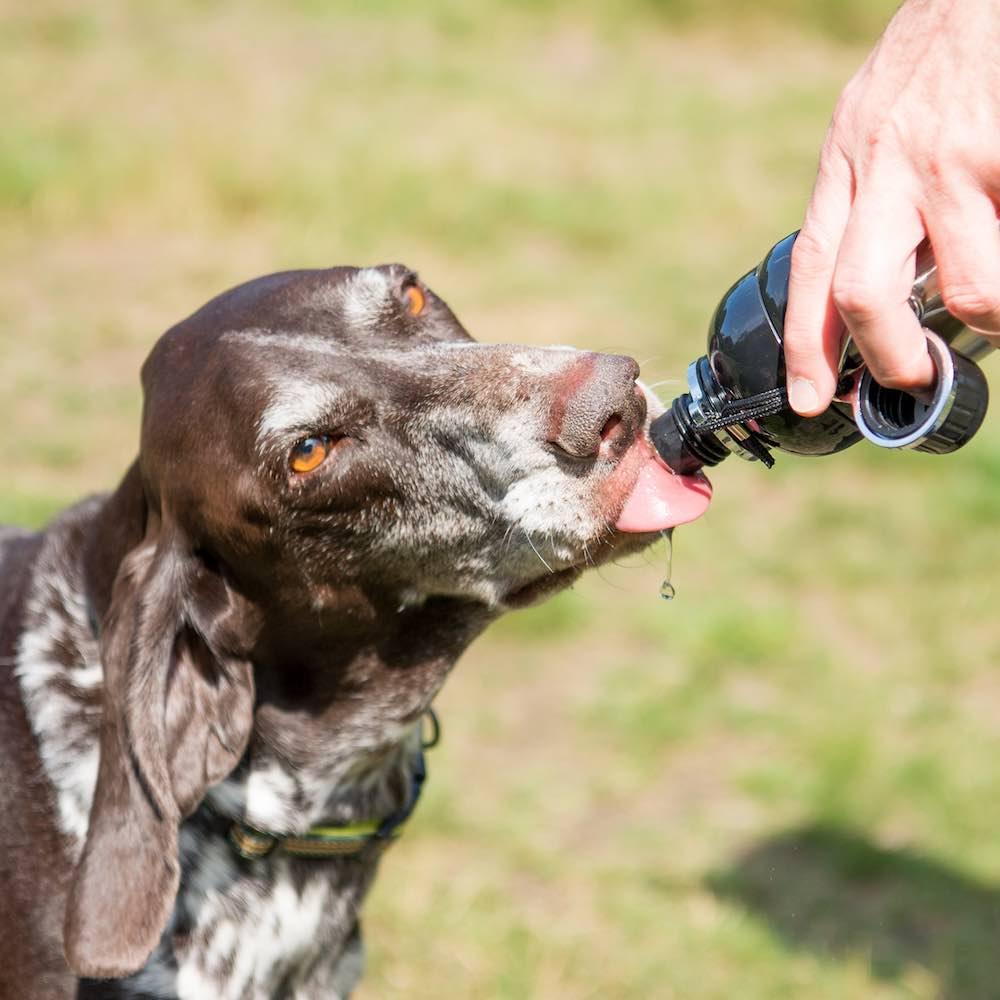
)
(912, 152)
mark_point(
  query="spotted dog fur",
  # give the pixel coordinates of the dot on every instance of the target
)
(223, 640)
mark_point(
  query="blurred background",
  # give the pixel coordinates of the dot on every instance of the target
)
(783, 783)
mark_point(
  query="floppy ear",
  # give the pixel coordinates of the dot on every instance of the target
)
(177, 714)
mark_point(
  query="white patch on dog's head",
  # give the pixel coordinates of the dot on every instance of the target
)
(539, 362)
(300, 407)
(364, 297)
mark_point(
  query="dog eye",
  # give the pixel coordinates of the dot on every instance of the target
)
(310, 454)
(415, 299)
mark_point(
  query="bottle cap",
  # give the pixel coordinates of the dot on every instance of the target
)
(892, 418)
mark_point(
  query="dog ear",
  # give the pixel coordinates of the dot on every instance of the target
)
(177, 715)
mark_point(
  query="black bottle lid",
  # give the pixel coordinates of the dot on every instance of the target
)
(892, 418)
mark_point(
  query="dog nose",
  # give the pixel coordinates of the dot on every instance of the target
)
(597, 409)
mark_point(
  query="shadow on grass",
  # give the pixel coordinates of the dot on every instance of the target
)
(836, 893)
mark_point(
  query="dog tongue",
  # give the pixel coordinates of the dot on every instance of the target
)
(661, 499)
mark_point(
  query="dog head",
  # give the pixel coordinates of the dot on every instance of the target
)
(319, 430)
(321, 453)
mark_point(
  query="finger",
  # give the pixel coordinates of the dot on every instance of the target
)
(962, 225)
(872, 283)
(813, 328)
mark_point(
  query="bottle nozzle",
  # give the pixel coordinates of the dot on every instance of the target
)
(680, 444)
(703, 426)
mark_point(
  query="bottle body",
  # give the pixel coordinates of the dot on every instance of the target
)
(742, 376)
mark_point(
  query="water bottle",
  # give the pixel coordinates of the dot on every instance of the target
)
(736, 401)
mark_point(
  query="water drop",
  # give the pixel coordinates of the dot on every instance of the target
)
(667, 591)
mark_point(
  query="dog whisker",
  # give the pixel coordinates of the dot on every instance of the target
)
(604, 579)
(537, 553)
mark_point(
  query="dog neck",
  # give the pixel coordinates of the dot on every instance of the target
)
(336, 732)
(340, 690)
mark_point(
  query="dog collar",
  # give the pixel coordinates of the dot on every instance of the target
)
(336, 841)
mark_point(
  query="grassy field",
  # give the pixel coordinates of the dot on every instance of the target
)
(784, 783)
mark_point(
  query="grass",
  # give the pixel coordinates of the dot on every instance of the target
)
(781, 784)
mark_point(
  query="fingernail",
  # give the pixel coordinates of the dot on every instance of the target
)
(802, 395)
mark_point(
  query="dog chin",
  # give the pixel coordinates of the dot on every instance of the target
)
(540, 589)
(601, 551)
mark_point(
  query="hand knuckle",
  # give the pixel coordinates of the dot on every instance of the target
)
(937, 170)
(854, 294)
(888, 138)
(973, 302)
(812, 245)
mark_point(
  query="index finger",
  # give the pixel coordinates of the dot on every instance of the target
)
(813, 327)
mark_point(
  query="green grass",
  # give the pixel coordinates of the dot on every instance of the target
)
(780, 784)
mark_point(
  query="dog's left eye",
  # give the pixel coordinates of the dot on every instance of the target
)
(310, 453)
(415, 299)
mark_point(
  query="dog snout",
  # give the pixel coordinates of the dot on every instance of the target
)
(597, 408)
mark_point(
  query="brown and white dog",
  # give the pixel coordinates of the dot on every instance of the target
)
(336, 491)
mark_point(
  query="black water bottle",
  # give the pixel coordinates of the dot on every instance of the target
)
(736, 401)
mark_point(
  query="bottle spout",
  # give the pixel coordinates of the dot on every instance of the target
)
(677, 444)
(702, 426)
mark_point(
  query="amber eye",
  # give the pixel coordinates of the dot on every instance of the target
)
(415, 299)
(310, 454)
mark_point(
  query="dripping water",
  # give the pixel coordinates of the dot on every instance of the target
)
(667, 591)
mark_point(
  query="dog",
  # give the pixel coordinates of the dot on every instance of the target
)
(213, 680)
